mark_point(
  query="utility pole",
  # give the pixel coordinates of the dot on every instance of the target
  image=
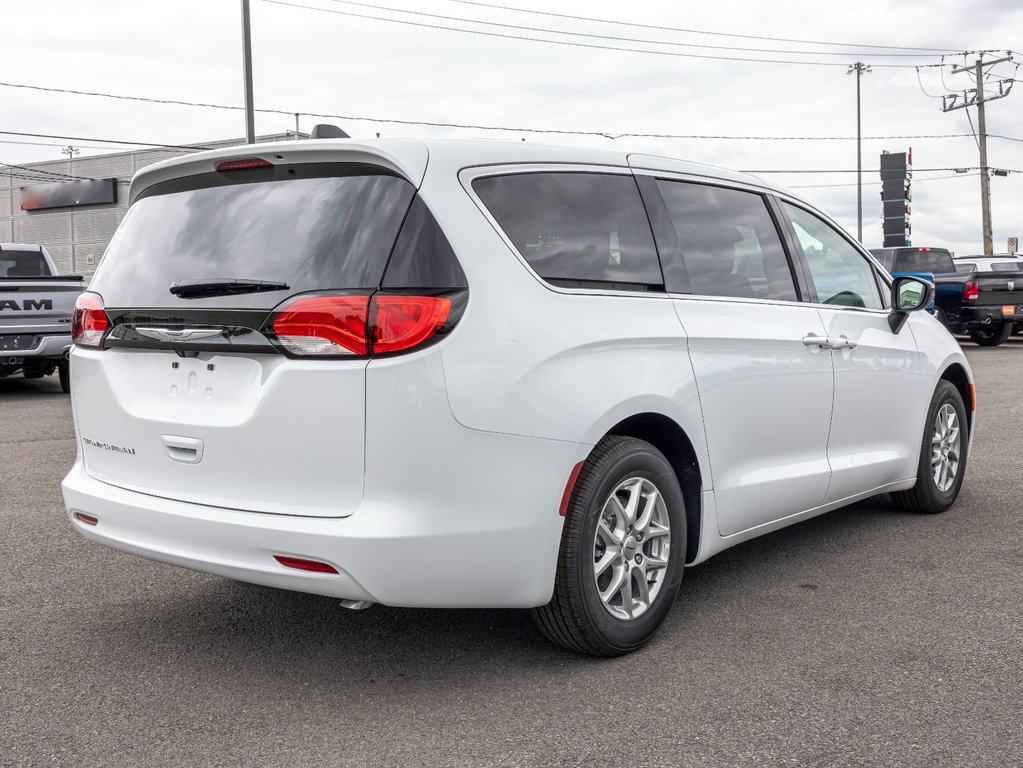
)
(250, 117)
(859, 68)
(71, 151)
(979, 99)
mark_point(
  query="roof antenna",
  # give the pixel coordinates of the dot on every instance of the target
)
(327, 131)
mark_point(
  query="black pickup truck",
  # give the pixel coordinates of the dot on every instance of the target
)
(987, 306)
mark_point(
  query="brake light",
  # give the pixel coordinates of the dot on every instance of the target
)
(89, 322)
(324, 325)
(360, 324)
(404, 322)
(971, 291)
(239, 165)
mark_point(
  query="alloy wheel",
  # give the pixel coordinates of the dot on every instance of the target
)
(946, 445)
(630, 548)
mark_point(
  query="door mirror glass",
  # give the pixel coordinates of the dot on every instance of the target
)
(910, 294)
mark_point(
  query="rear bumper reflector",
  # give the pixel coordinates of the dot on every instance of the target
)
(302, 564)
(569, 487)
(87, 519)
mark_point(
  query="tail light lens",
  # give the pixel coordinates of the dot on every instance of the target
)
(324, 325)
(971, 291)
(404, 322)
(89, 322)
(332, 326)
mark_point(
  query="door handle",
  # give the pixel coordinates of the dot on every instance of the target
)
(184, 450)
(813, 340)
(843, 342)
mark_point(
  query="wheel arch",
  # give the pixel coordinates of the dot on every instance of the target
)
(956, 375)
(665, 434)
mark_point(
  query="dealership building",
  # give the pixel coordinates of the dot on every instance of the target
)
(72, 206)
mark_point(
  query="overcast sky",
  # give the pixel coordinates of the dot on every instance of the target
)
(313, 61)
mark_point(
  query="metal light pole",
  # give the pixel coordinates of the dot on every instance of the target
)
(250, 117)
(859, 68)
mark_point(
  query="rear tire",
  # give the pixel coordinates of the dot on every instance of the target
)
(622, 554)
(64, 373)
(943, 452)
(991, 335)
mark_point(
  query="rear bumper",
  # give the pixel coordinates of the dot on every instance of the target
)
(489, 547)
(46, 346)
(970, 316)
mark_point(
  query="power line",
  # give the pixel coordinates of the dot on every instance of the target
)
(571, 44)
(54, 174)
(438, 124)
(853, 170)
(50, 144)
(615, 38)
(697, 31)
(878, 183)
(152, 145)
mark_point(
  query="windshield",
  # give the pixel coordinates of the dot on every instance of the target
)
(306, 227)
(23, 264)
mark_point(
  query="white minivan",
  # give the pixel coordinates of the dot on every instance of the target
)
(484, 374)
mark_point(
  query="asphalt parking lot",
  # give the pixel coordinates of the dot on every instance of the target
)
(865, 637)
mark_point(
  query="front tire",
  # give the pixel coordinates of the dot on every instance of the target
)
(623, 550)
(942, 454)
(991, 335)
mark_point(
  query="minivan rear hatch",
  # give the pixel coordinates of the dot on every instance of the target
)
(189, 398)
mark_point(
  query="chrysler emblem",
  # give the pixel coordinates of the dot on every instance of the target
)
(179, 334)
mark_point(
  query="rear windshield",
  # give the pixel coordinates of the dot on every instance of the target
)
(311, 227)
(1007, 266)
(23, 264)
(933, 260)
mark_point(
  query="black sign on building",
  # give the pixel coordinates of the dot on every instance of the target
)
(67, 194)
(896, 198)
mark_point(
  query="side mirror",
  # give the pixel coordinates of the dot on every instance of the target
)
(909, 294)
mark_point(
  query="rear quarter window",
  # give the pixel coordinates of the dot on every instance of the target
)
(576, 229)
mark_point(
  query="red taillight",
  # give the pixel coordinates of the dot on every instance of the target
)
(301, 564)
(89, 321)
(240, 165)
(971, 291)
(404, 322)
(324, 325)
(87, 519)
(359, 325)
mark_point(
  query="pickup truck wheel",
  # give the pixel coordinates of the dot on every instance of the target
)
(942, 464)
(64, 372)
(991, 335)
(622, 553)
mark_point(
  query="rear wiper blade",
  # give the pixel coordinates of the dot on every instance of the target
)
(228, 286)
